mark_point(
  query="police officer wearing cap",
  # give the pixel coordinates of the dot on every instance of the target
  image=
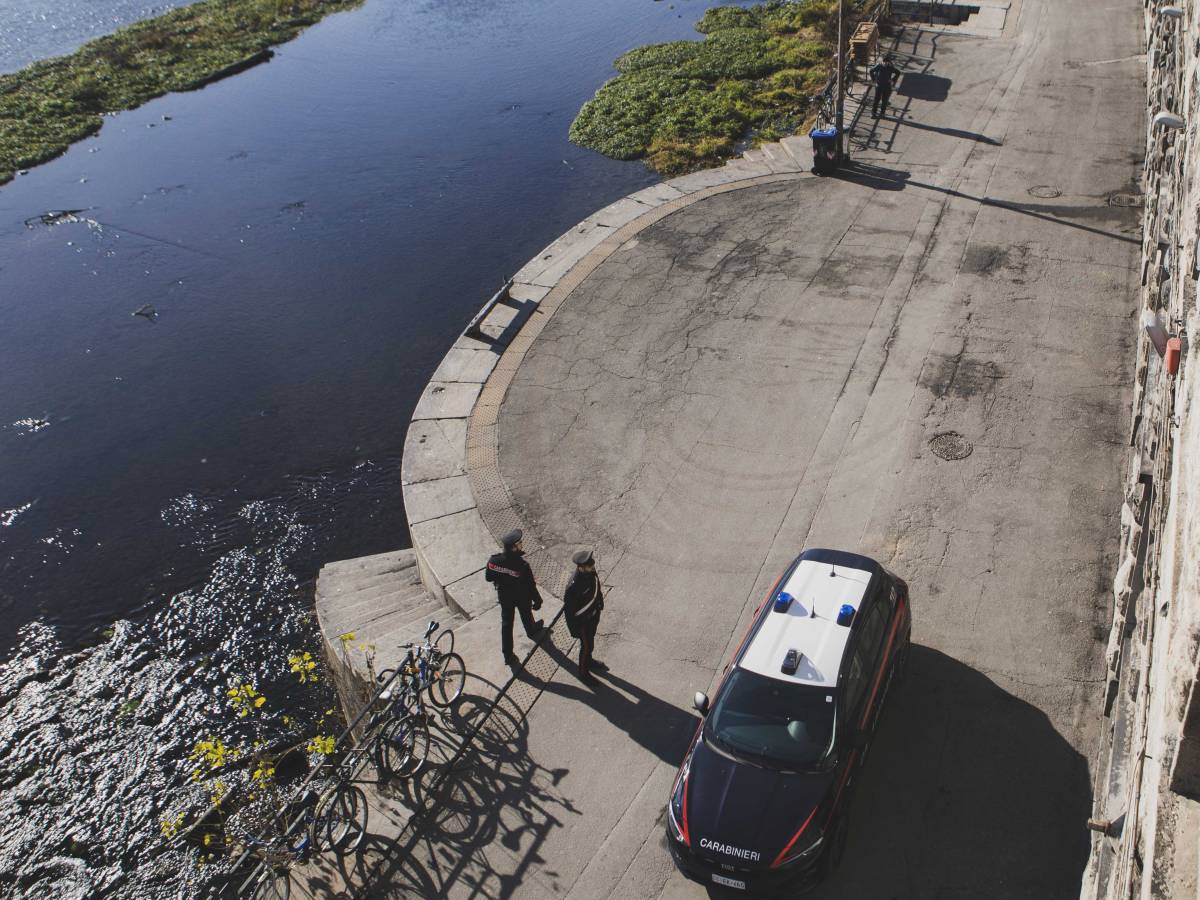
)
(583, 602)
(884, 76)
(516, 590)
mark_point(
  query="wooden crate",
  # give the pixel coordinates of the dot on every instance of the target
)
(864, 42)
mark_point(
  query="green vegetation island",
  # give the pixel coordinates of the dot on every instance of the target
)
(685, 105)
(47, 106)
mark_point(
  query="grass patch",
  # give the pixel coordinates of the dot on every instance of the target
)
(47, 106)
(684, 105)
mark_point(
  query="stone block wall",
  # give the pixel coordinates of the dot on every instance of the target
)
(1147, 819)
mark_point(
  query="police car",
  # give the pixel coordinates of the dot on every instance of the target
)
(759, 803)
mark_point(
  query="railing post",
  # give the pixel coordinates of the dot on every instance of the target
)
(839, 109)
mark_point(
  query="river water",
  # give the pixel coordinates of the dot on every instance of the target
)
(215, 319)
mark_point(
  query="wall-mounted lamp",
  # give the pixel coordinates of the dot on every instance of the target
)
(1155, 331)
(1168, 120)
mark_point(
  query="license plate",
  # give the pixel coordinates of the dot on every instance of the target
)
(729, 882)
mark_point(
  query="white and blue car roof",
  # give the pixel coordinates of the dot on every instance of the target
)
(821, 583)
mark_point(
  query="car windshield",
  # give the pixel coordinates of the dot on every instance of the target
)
(773, 721)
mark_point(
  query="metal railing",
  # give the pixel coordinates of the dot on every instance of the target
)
(241, 885)
(290, 828)
(825, 101)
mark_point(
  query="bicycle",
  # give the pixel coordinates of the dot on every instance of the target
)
(400, 745)
(334, 818)
(440, 671)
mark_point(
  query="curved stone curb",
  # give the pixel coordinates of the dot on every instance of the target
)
(455, 499)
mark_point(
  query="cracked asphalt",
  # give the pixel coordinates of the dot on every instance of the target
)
(763, 371)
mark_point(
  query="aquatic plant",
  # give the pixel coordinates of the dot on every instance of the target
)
(49, 105)
(235, 786)
(685, 105)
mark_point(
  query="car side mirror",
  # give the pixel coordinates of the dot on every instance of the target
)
(700, 701)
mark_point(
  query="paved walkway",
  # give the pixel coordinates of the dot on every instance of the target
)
(780, 366)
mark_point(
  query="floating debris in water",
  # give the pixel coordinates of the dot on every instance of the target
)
(55, 217)
(30, 425)
(8, 516)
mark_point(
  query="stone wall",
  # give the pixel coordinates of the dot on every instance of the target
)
(1147, 818)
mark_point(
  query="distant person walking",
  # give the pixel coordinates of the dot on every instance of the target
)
(884, 76)
(583, 601)
(516, 590)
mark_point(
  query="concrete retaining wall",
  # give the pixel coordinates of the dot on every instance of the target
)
(1147, 818)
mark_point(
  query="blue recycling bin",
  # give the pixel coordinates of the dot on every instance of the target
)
(825, 149)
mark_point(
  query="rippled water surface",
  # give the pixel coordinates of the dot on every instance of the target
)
(215, 320)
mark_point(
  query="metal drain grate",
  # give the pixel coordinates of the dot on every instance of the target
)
(950, 445)
(1130, 200)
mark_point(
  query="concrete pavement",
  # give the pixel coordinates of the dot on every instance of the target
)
(923, 359)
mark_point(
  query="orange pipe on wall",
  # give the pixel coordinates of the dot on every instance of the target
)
(1174, 348)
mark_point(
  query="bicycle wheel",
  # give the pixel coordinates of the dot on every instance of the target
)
(447, 680)
(339, 820)
(402, 747)
(445, 642)
(272, 884)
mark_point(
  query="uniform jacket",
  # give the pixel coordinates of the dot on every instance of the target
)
(513, 580)
(884, 75)
(583, 599)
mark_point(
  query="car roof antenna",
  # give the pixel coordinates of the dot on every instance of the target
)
(832, 570)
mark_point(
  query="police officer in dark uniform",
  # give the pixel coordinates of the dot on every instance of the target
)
(516, 590)
(583, 602)
(884, 76)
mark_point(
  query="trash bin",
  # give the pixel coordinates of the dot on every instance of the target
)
(825, 149)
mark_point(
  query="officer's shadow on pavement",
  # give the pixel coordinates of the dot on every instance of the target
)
(658, 726)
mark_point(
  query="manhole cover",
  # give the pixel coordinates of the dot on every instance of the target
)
(950, 445)
(1045, 191)
(1124, 200)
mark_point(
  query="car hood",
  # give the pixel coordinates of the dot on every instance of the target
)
(736, 809)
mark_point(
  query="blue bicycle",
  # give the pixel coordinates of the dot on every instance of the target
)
(334, 819)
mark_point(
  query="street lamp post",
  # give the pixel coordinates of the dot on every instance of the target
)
(839, 109)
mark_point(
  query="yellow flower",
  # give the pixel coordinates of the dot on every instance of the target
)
(263, 774)
(212, 753)
(322, 744)
(303, 664)
(245, 698)
(170, 827)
